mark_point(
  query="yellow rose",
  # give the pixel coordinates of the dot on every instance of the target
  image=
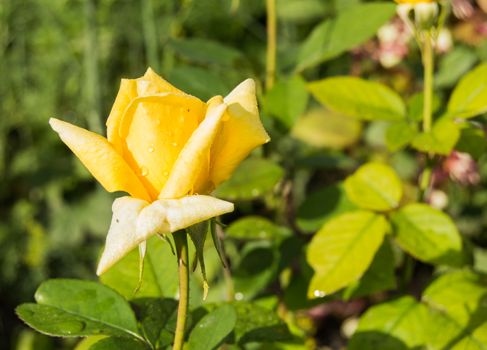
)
(166, 149)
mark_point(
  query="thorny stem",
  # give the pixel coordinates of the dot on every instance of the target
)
(271, 44)
(181, 242)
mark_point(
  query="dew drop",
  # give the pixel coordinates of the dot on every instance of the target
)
(319, 293)
(144, 171)
(239, 296)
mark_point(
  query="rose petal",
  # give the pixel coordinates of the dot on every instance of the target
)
(193, 161)
(171, 215)
(122, 237)
(151, 84)
(154, 130)
(126, 93)
(101, 159)
(240, 134)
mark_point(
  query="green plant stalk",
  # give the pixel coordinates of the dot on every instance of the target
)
(92, 92)
(428, 67)
(150, 34)
(428, 57)
(181, 242)
(271, 44)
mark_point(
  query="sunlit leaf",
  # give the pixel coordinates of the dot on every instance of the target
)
(343, 249)
(469, 98)
(374, 186)
(363, 99)
(325, 129)
(427, 234)
(395, 325)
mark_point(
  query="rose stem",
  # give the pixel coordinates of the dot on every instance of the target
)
(181, 242)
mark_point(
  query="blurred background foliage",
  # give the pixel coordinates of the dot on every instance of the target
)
(65, 58)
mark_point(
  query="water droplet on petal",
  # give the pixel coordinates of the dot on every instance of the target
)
(151, 149)
(175, 144)
(319, 293)
(144, 171)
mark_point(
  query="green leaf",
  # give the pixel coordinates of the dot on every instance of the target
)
(415, 106)
(350, 29)
(454, 65)
(473, 141)
(395, 325)
(399, 135)
(287, 100)
(256, 228)
(427, 234)
(359, 98)
(300, 10)
(322, 205)
(459, 298)
(113, 343)
(79, 308)
(459, 293)
(253, 178)
(257, 324)
(160, 276)
(374, 186)
(378, 277)
(343, 249)
(257, 267)
(469, 98)
(213, 328)
(157, 317)
(205, 51)
(441, 140)
(199, 82)
(325, 129)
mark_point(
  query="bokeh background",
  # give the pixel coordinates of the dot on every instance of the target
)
(65, 58)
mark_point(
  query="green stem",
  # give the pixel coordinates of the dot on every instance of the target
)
(427, 53)
(271, 44)
(150, 34)
(181, 242)
(428, 66)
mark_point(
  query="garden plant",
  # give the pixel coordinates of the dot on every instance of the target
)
(283, 174)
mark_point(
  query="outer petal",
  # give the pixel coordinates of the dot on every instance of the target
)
(240, 134)
(101, 159)
(193, 161)
(154, 130)
(121, 237)
(171, 215)
(126, 93)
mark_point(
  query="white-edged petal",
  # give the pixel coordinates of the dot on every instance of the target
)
(121, 238)
(170, 215)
